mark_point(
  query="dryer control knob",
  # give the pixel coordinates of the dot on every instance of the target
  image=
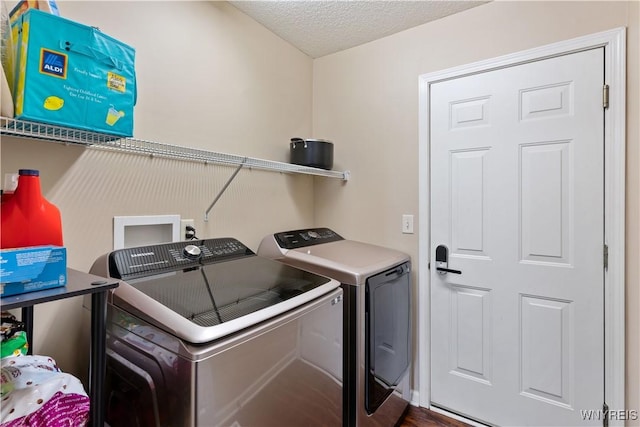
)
(192, 251)
(313, 234)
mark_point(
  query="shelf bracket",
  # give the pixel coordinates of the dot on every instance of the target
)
(224, 188)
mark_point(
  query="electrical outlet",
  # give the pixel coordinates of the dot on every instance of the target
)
(407, 224)
(183, 227)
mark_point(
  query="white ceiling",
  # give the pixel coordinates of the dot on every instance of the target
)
(321, 27)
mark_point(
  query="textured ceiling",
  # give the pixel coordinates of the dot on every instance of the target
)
(321, 27)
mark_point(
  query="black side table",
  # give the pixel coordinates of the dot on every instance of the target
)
(78, 283)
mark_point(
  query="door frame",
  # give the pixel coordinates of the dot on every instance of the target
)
(614, 43)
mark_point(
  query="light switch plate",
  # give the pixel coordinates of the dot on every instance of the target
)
(407, 224)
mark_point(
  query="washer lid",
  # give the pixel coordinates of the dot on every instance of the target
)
(347, 261)
(201, 291)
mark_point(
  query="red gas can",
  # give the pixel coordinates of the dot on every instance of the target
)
(27, 218)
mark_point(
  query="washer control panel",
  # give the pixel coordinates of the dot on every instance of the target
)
(307, 237)
(156, 259)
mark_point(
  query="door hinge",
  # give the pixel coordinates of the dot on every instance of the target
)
(606, 257)
(605, 96)
(605, 412)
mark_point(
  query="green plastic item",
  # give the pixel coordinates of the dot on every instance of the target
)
(15, 345)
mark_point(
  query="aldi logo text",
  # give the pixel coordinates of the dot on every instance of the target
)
(53, 63)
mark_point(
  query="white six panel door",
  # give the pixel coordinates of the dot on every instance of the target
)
(517, 196)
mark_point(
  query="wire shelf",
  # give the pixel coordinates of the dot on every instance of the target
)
(25, 129)
(33, 130)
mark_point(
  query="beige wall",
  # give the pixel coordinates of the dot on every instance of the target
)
(366, 100)
(209, 77)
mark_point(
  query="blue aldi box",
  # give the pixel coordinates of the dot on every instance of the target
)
(73, 75)
(32, 269)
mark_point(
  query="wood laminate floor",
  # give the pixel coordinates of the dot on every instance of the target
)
(421, 417)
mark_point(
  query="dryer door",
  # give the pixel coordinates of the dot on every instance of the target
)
(387, 332)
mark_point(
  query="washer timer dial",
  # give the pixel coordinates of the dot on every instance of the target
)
(192, 251)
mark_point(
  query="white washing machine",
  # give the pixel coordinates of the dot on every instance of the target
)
(377, 317)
